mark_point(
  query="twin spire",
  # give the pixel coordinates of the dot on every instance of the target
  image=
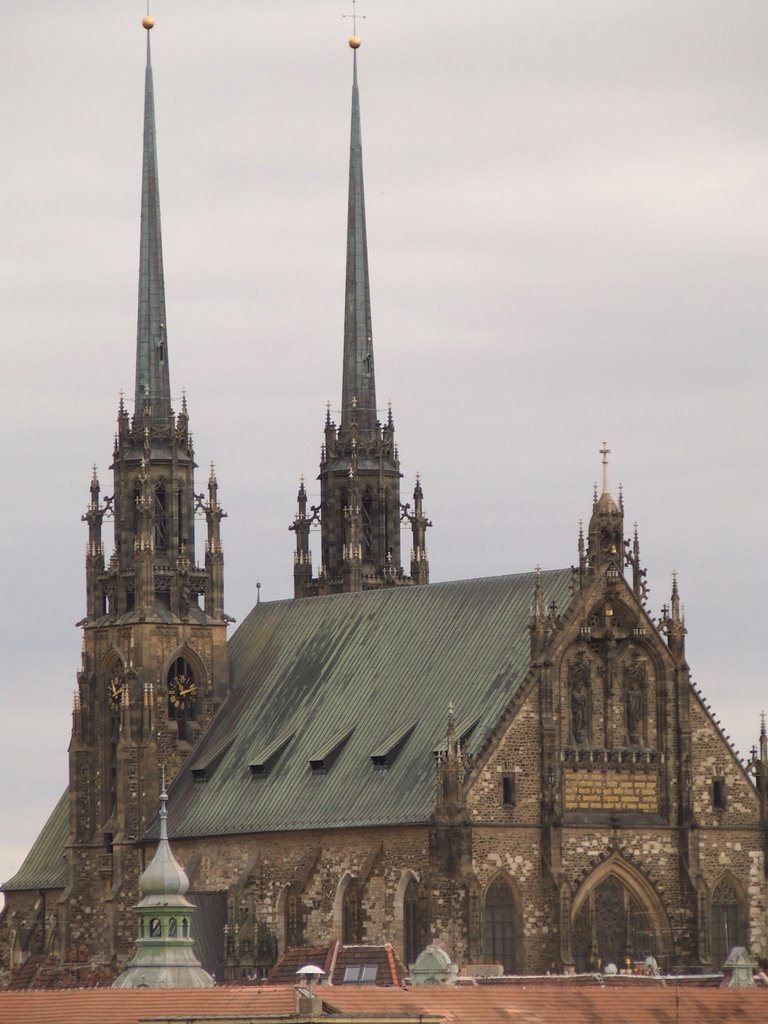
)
(360, 511)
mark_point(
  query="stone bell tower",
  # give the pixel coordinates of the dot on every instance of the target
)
(360, 513)
(154, 662)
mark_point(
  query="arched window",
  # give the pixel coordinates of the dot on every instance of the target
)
(114, 690)
(184, 928)
(412, 929)
(182, 694)
(612, 927)
(351, 919)
(294, 930)
(155, 928)
(500, 932)
(161, 518)
(727, 922)
(178, 516)
(173, 928)
(367, 515)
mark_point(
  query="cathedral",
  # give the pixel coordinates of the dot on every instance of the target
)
(517, 768)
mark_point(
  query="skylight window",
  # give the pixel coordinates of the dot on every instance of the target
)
(361, 974)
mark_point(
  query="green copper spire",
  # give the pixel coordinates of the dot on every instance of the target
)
(358, 394)
(152, 379)
(165, 949)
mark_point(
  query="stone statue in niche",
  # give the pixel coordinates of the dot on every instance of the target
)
(635, 675)
(579, 674)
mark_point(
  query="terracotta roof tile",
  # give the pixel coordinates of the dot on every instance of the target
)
(560, 1003)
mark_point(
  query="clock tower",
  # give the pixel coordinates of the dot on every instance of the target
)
(154, 661)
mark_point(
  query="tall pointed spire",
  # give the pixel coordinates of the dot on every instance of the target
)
(152, 378)
(358, 393)
(360, 513)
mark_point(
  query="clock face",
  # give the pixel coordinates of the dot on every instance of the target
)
(115, 690)
(182, 691)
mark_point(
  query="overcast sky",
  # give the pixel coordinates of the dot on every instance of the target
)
(568, 230)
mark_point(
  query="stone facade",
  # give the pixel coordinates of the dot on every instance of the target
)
(605, 818)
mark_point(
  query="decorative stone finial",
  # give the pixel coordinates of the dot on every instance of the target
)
(605, 451)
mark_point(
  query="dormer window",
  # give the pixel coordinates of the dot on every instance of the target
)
(384, 756)
(324, 760)
(267, 757)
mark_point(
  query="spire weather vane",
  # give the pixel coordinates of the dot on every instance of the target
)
(354, 16)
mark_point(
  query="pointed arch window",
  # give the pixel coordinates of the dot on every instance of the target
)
(294, 930)
(114, 697)
(178, 519)
(367, 522)
(183, 695)
(612, 927)
(501, 931)
(351, 919)
(414, 920)
(161, 518)
(727, 922)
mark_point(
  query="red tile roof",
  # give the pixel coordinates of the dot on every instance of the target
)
(335, 959)
(561, 1004)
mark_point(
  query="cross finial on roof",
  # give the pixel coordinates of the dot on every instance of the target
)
(354, 16)
(605, 451)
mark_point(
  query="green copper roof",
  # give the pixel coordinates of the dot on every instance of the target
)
(164, 954)
(358, 382)
(151, 342)
(44, 866)
(338, 703)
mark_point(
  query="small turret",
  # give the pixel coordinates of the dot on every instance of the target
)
(214, 557)
(676, 622)
(94, 559)
(419, 525)
(450, 791)
(606, 527)
(165, 948)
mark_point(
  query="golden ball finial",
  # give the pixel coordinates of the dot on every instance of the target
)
(148, 22)
(354, 42)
